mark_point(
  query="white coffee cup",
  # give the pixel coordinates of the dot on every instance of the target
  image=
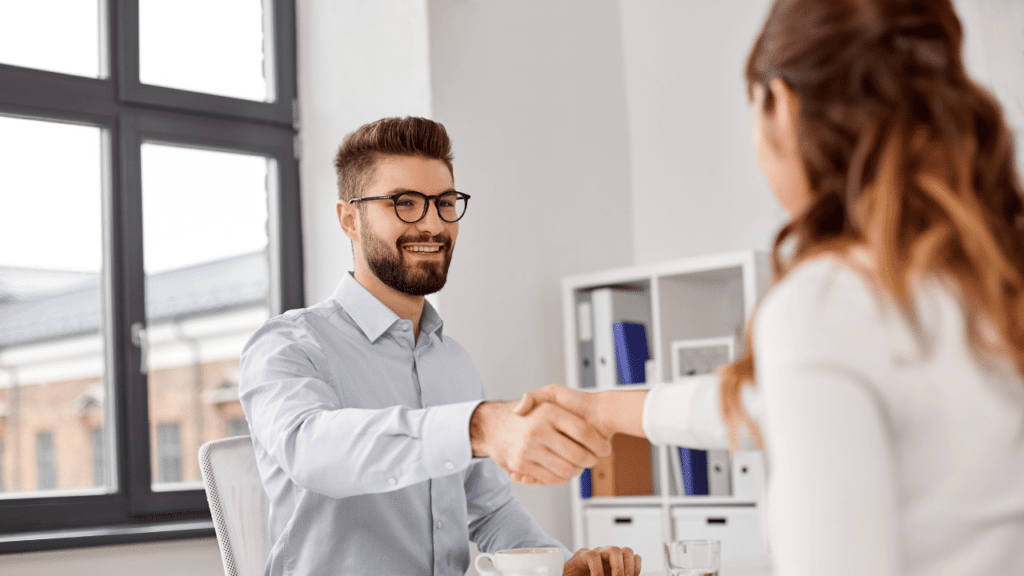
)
(522, 562)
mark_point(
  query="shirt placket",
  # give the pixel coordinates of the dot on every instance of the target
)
(439, 493)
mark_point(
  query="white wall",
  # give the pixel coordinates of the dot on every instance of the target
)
(695, 182)
(357, 62)
(532, 94)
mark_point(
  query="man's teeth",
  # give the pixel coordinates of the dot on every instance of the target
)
(423, 248)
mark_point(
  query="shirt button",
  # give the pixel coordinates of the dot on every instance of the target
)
(405, 326)
(449, 465)
(439, 524)
(393, 481)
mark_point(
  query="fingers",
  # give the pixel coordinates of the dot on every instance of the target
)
(535, 397)
(567, 450)
(609, 561)
(595, 563)
(550, 444)
(524, 479)
(577, 429)
(629, 562)
(613, 556)
(544, 466)
(526, 403)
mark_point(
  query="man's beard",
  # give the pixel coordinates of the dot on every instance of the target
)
(388, 263)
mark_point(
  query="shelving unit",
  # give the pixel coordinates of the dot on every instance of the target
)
(707, 297)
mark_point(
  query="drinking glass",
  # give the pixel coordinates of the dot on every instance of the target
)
(693, 557)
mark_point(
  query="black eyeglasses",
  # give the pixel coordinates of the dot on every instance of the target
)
(412, 206)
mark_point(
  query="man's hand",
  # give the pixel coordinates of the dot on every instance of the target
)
(550, 445)
(606, 561)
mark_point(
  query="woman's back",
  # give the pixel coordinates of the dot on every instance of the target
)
(891, 453)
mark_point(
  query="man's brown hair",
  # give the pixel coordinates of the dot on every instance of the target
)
(364, 148)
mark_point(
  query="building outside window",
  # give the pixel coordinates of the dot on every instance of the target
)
(149, 214)
(168, 449)
(99, 458)
(3, 481)
(237, 427)
(46, 462)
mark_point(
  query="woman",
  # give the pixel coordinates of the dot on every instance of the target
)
(889, 352)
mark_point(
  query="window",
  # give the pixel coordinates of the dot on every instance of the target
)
(149, 193)
(3, 480)
(46, 462)
(237, 427)
(99, 458)
(168, 450)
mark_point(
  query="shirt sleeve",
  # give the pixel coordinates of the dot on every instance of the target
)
(833, 492)
(497, 520)
(689, 414)
(324, 447)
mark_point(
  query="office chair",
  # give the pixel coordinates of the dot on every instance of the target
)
(238, 504)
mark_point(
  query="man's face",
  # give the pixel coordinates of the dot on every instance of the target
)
(409, 258)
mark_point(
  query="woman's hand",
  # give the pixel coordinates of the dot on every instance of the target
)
(583, 404)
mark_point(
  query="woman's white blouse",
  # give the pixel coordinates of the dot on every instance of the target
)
(890, 453)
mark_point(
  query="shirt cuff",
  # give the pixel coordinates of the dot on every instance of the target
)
(446, 447)
(662, 408)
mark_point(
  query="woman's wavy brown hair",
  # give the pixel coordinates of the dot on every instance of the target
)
(906, 156)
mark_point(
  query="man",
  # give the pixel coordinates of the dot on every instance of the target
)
(373, 445)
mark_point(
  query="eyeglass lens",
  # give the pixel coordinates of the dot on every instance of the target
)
(411, 207)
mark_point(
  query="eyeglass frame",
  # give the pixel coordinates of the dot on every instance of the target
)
(426, 203)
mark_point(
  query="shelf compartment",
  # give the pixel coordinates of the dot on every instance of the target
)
(699, 306)
(596, 310)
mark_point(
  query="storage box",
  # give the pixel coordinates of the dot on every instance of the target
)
(737, 527)
(636, 527)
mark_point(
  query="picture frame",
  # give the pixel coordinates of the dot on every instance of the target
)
(700, 356)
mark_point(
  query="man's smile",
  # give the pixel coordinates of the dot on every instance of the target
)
(423, 248)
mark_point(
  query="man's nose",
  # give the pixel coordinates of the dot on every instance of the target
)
(431, 221)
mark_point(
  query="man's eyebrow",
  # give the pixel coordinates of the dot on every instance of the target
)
(400, 189)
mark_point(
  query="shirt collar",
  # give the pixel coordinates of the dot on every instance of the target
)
(372, 316)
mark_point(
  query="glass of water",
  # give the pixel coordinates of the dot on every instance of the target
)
(693, 557)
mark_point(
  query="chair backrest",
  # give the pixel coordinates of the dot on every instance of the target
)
(238, 504)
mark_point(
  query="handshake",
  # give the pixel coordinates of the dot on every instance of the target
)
(553, 433)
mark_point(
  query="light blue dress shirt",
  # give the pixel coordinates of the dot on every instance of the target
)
(361, 435)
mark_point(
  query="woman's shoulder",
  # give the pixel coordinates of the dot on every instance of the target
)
(824, 304)
(823, 284)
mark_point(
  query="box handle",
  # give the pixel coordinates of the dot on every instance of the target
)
(721, 521)
(623, 520)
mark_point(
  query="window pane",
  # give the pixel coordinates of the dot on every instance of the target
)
(211, 46)
(46, 462)
(53, 376)
(168, 451)
(205, 249)
(55, 35)
(100, 457)
(237, 427)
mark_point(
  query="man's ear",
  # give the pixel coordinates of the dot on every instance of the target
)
(348, 217)
(787, 110)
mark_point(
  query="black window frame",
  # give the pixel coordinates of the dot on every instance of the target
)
(131, 113)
